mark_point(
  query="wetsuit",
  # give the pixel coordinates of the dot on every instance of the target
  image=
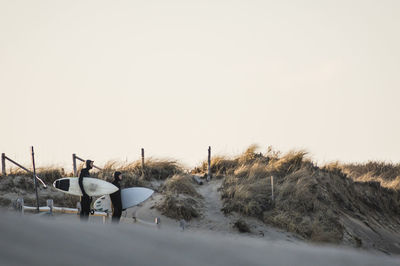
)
(85, 200)
(116, 201)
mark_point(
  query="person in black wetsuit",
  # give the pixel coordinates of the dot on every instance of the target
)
(85, 199)
(116, 198)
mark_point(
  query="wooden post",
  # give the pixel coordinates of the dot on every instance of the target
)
(74, 164)
(209, 164)
(20, 205)
(142, 162)
(34, 179)
(157, 221)
(142, 158)
(50, 204)
(3, 164)
(79, 207)
(272, 187)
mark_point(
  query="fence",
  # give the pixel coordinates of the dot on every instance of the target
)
(35, 177)
(4, 158)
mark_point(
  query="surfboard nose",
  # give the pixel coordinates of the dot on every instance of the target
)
(62, 184)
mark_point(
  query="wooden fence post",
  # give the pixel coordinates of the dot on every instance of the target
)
(3, 164)
(209, 164)
(74, 164)
(272, 187)
(34, 179)
(142, 158)
(142, 161)
(50, 204)
(20, 205)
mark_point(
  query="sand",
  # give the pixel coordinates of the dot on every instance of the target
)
(63, 240)
(212, 219)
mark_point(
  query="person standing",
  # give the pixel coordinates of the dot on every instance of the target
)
(116, 198)
(86, 200)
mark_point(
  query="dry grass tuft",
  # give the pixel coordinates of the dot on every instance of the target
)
(134, 175)
(179, 207)
(158, 169)
(161, 169)
(15, 184)
(242, 226)
(250, 155)
(387, 174)
(47, 173)
(289, 163)
(181, 200)
(50, 174)
(16, 171)
(220, 166)
(181, 184)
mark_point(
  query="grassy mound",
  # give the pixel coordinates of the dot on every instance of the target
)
(181, 200)
(309, 200)
(179, 207)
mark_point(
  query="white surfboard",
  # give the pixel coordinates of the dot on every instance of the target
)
(92, 186)
(129, 196)
(103, 204)
(135, 195)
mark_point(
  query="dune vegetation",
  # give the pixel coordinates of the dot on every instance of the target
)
(155, 171)
(181, 200)
(19, 183)
(309, 200)
(387, 174)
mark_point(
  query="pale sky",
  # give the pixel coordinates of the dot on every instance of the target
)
(103, 79)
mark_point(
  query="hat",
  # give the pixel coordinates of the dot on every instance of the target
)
(117, 174)
(88, 162)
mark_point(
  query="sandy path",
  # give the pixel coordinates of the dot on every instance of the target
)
(213, 219)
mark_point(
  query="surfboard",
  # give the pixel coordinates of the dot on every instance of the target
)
(92, 186)
(129, 196)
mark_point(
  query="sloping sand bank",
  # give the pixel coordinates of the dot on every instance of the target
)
(41, 240)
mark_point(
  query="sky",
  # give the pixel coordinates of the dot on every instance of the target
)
(104, 79)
